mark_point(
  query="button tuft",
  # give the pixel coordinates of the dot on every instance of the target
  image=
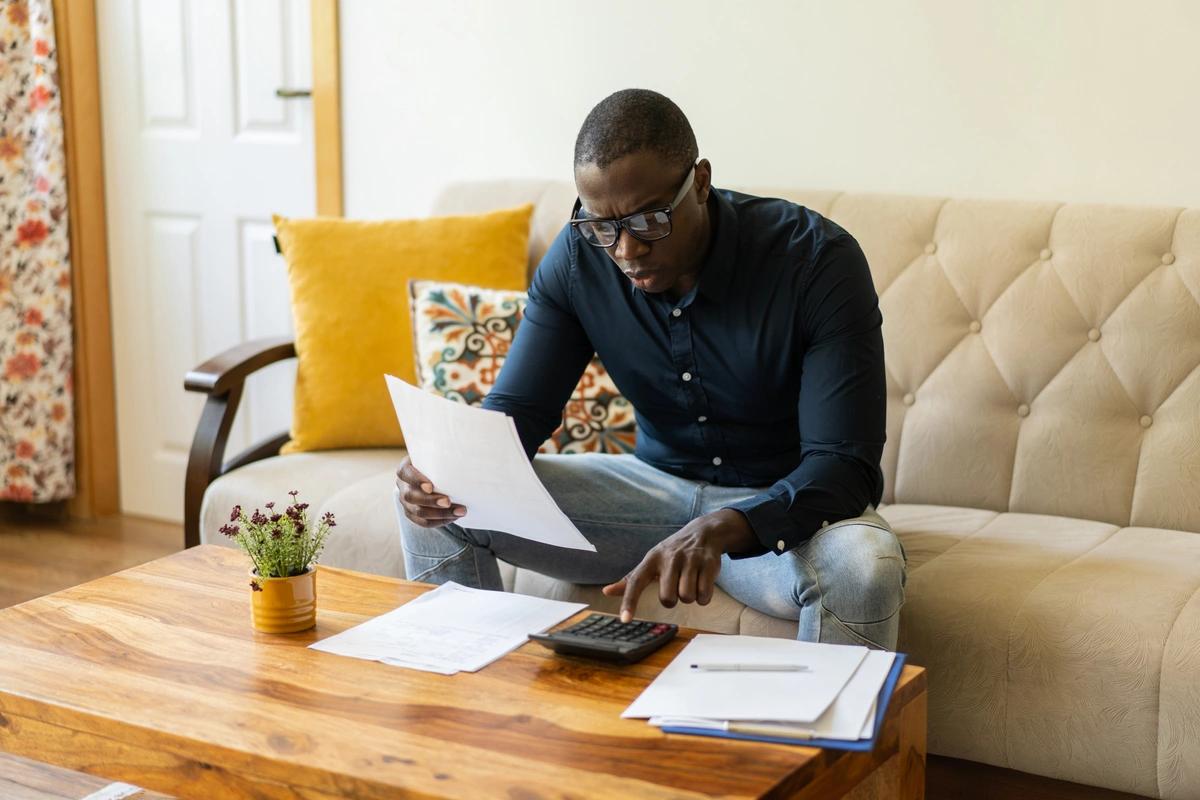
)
(1168, 258)
(1022, 410)
(908, 399)
(687, 376)
(1046, 254)
(976, 326)
(1094, 334)
(1146, 422)
(931, 248)
(716, 461)
(676, 312)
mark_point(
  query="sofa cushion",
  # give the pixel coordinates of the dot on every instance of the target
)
(462, 336)
(1051, 643)
(348, 283)
(317, 476)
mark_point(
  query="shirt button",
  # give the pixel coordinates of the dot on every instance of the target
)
(781, 545)
(717, 461)
(677, 312)
(701, 418)
(687, 376)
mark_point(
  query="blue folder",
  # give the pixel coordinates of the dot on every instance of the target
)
(858, 745)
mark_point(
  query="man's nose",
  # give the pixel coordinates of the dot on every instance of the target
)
(629, 247)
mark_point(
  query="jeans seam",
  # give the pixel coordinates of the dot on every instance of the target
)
(845, 626)
(820, 593)
(616, 524)
(441, 562)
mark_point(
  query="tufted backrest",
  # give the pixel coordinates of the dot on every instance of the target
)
(1041, 358)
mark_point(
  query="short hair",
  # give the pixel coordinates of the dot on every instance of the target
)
(633, 120)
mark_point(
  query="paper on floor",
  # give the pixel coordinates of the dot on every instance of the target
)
(449, 629)
(794, 697)
(474, 456)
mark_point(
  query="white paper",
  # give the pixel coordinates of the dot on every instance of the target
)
(680, 691)
(850, 717)
(449, 629)
(474, 456)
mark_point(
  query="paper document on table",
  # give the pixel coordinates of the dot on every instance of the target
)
(475, 457)
(449, 629)
(796, 697)
(849, 718)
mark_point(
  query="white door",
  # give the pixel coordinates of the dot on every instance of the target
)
(199, 152)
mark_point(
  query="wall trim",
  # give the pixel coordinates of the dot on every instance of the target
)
(97, 490)
(327, 107)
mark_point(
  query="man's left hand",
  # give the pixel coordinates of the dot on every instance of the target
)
(687, 563)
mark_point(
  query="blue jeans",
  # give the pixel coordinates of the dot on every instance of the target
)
(845, 585)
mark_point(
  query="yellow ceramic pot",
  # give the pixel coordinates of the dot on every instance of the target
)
(284, 605)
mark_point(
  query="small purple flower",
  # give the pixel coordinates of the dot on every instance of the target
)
(271, 504)
(233, 515)
(293, 493)
(276, 517)
(302, 506)
(277, 534)
(327, 519)
(257, 518)
(229, 530)
(254, 585)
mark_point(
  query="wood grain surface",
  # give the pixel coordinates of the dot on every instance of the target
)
(154, 676)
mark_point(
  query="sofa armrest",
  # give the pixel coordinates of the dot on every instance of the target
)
(223, 378)
(220, 374)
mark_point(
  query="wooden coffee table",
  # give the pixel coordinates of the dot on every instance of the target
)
(154, 676)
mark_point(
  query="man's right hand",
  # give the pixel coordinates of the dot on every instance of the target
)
(422, 505)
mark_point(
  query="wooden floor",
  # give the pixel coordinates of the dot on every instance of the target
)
(43, 552)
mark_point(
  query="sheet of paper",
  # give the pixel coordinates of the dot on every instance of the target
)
(680, 691)
(474, 456)
(850, 717)
(449, 629)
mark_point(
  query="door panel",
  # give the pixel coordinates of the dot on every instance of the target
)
(199, 153)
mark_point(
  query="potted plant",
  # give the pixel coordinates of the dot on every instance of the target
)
(284, 547)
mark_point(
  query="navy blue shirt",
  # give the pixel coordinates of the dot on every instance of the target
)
(768, 373)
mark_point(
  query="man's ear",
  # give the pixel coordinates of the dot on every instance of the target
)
(703, 180)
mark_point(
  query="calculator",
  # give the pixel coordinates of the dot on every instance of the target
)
(605, 637)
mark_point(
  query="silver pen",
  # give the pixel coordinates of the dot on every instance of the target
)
(751, 667)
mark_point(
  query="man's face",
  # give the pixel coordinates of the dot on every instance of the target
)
(639, 182)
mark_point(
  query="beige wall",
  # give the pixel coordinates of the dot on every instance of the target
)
(1084, 100)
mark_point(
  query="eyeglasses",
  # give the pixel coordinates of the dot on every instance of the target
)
(649, 226)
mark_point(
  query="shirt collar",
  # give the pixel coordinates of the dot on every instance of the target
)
(717, 270)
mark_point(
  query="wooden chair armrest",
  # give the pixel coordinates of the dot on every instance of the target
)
(223, 378)
(222, 372)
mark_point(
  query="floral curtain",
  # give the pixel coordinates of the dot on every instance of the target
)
(36, 421)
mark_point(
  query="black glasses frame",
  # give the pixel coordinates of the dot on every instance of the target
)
(623, 222)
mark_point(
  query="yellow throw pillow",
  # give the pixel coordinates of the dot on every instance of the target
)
(349, 284)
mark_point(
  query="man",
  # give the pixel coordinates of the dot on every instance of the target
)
(745, 332)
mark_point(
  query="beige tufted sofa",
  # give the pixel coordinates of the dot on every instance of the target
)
(1042, 466)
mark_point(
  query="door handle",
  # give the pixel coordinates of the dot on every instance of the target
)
(291, 94)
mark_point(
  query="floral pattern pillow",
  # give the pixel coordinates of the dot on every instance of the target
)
(462, 336)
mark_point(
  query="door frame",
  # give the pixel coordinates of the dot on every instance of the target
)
(97, 486)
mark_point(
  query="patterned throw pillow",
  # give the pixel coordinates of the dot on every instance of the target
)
(462, 336)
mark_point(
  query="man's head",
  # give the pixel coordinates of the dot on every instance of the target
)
(635, 153)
